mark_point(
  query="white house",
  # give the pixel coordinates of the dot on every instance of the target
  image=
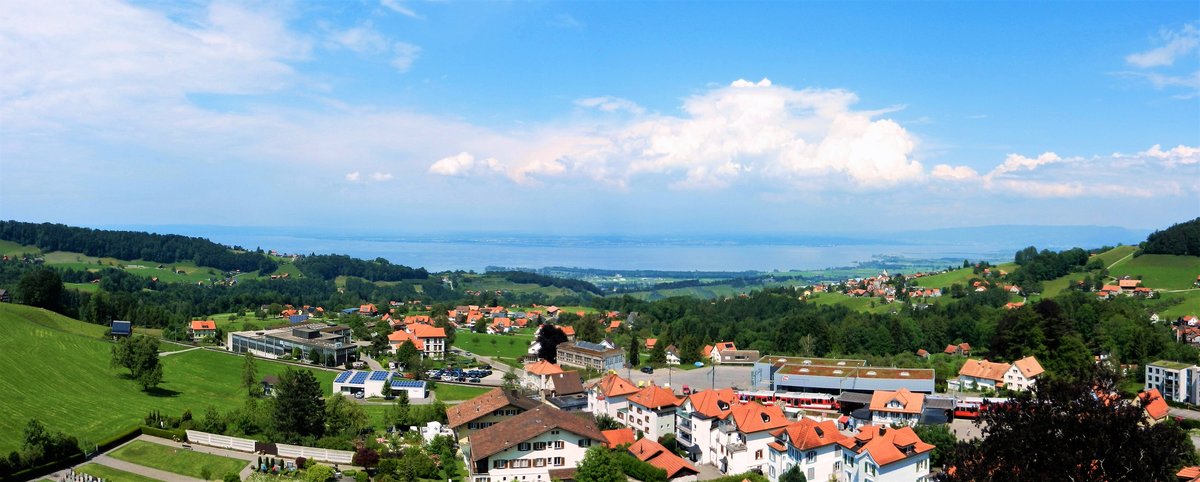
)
(696, 423)
(881, 454)
(982, 374)
(484, 411)
(610, 396)
(429, 340)
(811, 446)
(900, 407)
(713, 352)
(672, 355)
(538, 376)
(1177, 382)
(1023, 374)
(541, 444)
(651, 411)
(743, 437)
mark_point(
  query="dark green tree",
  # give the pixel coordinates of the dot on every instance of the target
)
(42, 288)
(138, 354)
(659, 353)
(597, 466)
(634, 357)
(943, 441)
(344, 417)
(250, 376)
(298, 409)
(406, 353)
(794, 474)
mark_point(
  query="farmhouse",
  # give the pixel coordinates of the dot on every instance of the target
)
(331, 343)
(543, 443)
(1023, 374)
(591, 355)
(982, 374)
(203, 329)
(900, 407)
(486, 410)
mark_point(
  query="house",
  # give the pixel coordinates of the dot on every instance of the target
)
(900, 407)
(268, 385)
(1023, 374)
(538, 375)
(4, 296)
(982, 374)
(1155, 407)
(485, 410)
(610, 396)
(1128, 285)
(619, 436)
(922, 353)
(1189, 474)
(543, 443)
(655, 454)
(881, 454)
(203, 329)
(697, 428)
(963, 349)
(596, 356)
(434, 339)
(672, 355)
(810, 445)
(569, 331)
(652, 411)
(1177, 382)
(565, 383)
(743, 436)
(121, 328)
(368, 309)
(613, 326)
(650, 342)
(713, 352)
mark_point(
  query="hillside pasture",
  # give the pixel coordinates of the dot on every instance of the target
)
(65, 380)
(1116, 254)
(1161, 271)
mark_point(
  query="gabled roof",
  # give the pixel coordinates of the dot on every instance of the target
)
(713, 403)
(754, 417)
(612, 385)
(1154, 404)
(618, 437)
(655, 397)
(536, 421)
(650, 342)
(808, 434)
(543, 367)
(427, 331)
(399, 337)
(922, 352)
(567, 383)
(568, 330)
(1029, 367)
(984, 369)
(950, 349)
(655, 454)
(724, 345)
(886, 445)
(909, 402)
(459, 415)
(203, 325)
(425, 319)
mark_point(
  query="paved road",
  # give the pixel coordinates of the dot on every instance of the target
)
(169, 353)
(1185, 413)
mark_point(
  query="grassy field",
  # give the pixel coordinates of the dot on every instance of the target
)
(66, 382)
(961, 275)
(149, 269)
(1178, 304)
(112, 475)
(855, 304)
(1116, 254)
(447, 392)
(1161, 271)
(183, 462)
(511, 346)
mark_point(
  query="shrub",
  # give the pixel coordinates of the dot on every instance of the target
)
(205, 473)
(232, 478)
(361, 477)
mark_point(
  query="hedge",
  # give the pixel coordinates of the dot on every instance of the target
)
(167, 434)
(751, 476)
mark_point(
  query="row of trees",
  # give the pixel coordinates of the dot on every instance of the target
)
(1180, 239)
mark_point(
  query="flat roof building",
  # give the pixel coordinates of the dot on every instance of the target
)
(331, 343)
(835, 375)
(591, 355)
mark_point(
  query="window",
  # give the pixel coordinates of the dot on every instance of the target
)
(499, 464)
(758, 454)
(558, 444)
(812, 474)
(554, 432)
(519, 464)
(585, 442)
(539, 445)
(523, 446)
(559, 461)
(811, 456)
(539, 462)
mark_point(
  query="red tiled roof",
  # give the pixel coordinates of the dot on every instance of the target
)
(654, 397)
(204, 325)
(1154, 404)
(534, 422)
(612, 385)
(909, 402)
(1189, 473)
(809, 434)
(754, 417)
(427, 331)
(458, 415)
(618, 437)
(399, 337)
(1029, 367)
(650, 342)
(950, 349)
(984, 369)
(655, 454)
(884, 445)
(543, 367)
(713, 403)
(568, 330)
(425, 319)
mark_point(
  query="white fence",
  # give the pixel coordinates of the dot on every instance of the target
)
(225, 442)
(324, 455)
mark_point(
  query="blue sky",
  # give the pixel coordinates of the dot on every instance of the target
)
(600, 117)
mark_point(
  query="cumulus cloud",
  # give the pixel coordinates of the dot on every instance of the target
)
(1150, 173)
(808, 138)
(353, 176)
(403, 55)
(463, 164)
(381, 176)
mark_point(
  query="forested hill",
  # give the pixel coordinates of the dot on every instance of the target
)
(131, 245)
(1180, 239)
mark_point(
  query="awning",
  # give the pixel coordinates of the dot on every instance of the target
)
(843, 419)
(855, 397)
(940, 403)
(861, 414)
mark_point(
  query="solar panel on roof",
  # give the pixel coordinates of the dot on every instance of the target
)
(407, 384)
(378, 376)
(341, 378)
(359, 377)
(590, 346)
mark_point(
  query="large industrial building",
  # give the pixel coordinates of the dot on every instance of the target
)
(591, 355)
(835, 375)
(331, 343)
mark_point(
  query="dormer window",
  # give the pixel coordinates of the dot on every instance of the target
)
(765, 418)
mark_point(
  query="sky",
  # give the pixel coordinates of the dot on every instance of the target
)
(600, 117)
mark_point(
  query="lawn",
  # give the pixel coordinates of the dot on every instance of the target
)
(1161, 271)
(179, 461)
(112, 475)
(447, 392)
(66, 383)
(1181, 304)
(855, 303)
(1116, 254)
(88, 287)
(511, 346)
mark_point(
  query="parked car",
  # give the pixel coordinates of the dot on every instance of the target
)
(486, 367)
(473, 380)
(358, 395)
(647, 369)
(687, 390)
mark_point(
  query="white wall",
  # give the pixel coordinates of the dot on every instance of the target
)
(572, 454)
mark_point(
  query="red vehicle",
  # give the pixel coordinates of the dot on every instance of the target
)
(970, 408)
(811, 401)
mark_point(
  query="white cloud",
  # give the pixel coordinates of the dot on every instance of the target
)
(381, 176)
(403, 55)
(353, 176)
(611, 104)
(399, 7)
(1150, 173)
(362, 38)
(463, 164)
(1176, 44)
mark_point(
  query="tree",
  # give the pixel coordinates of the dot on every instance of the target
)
(365, 457)
(344, 417)
(250, 376)
(138, 354)
(406, 353)
(588, 329)
(605, 422)
(659, 353)
(1052, 435)
(318, 473)
(213, 422)
(510, 381)
(943, 441)
(42, 288)
(314, 356)
(400, 415)
(634, 358)
(380, 343)
(298, 409)
(598, 465)
(794, 474)
(548, 339)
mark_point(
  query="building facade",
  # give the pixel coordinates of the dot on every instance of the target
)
(591, 355)
(539, 445)
(880, 454)
(651, 411)
(808, 445)
(1176, 381)
(332, 344)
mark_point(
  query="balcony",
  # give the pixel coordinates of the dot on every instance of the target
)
(727, 428)
(734, 447)
(684, 426)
